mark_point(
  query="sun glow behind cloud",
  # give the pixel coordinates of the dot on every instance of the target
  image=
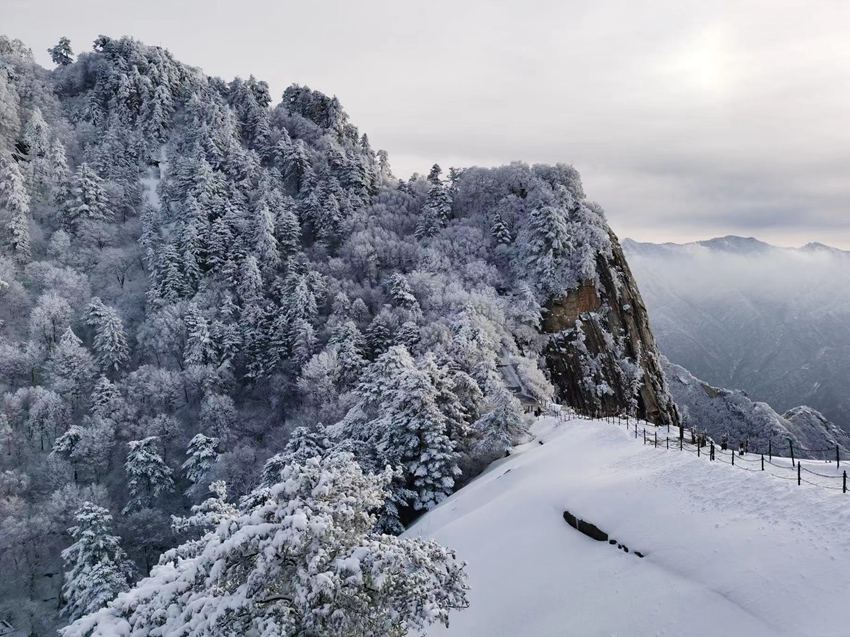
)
(703, 65)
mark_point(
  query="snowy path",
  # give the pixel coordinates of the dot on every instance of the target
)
(728, 551)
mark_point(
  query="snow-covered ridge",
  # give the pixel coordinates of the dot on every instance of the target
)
(733, 416)
(727, 550)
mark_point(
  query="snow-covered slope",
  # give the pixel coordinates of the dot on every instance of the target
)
(727, 551)
(733, 415)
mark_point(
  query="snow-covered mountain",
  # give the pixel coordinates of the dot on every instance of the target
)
(206, 290)
(726, 551)
(732, 416)
(738, 312)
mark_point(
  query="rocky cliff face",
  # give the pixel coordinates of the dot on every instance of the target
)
(602, 355)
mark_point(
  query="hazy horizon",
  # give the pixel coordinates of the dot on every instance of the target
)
(686, 121)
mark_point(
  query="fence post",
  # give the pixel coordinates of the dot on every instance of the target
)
(644, 435)
(698, 447)
(770, 450)
(837, 458)
(733, 457)
(636, 429)
(762, 462)
(680, 443)
(791, 446)
(845, 481)
(798, 474)
(711, 451)
(667, 438)
(656, 439)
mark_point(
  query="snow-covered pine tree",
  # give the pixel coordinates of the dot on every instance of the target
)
(14, 208)
(437, 208)
(500, 428)
(409, 430)
(379, 334)
(499, 229)
(320, 515)
(85, 200)
(201, 453)
(350, 346)
(61, 52)
(110, 340)
(149, 476)
(71, 368)
(401, 293)
(96, 567)
(106, 400)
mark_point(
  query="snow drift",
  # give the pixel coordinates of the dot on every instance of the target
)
(727, 551)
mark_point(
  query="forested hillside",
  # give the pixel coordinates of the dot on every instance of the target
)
(203, 293)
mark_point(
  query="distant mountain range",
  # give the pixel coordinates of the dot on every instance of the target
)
(741, 313)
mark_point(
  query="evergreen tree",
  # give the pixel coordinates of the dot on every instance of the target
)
(85, 200)
(61, 53)
(448, 402)
(149, 476)
(71, 367)
(110, 341)
(499, 230)
(96, 567)
(502, 427)
(379, 334)
(287, 232)
(303, 341)
(400, 292)
(320, 516)
(106, 400)
(437, 208)
(350, 347)
(265, 248)
(15, 207)
(410, 429)
(545, 246)
(201, 456)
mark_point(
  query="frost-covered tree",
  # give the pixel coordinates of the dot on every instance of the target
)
(410, 430)
(218, 415)
(49, 319)
(110, 340)
(437, 208)
(501, 427)
(61, 53)
(401, 293)
(545, 247)
(201, 453)
(270, 568)
(96, 567)
(85, 200)
(350, 347)
(71, 368)
(14, 208)
(149, 476)
(106, 399)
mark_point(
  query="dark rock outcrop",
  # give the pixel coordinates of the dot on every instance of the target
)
(602, 356)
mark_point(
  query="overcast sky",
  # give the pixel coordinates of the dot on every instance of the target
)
(686, 119)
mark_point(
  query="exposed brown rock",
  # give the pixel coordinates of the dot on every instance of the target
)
(613, 308)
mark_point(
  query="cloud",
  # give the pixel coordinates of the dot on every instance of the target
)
(685, 118)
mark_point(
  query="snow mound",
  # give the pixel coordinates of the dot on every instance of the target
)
(727, 551)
